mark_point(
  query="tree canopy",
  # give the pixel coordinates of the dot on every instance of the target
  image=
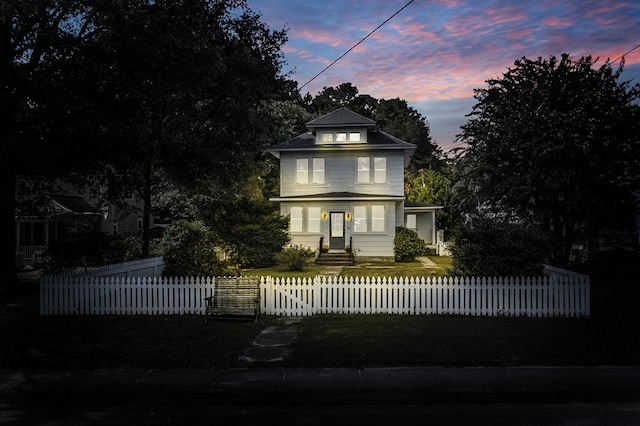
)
(118, 92)
(554, 143)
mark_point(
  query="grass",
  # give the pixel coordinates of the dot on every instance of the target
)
(608, 337)
(363, 268)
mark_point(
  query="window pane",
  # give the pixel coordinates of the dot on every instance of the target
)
(341, 137)
(302, 170)
(354, 137)
(296, 219)
(327, 137)
(359, 219)
(318, 170)
(363, 170)
(380, 170)
(313, 219)
(377, 219)
(411, 221)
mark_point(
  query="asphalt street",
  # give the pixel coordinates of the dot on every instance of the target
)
(496, 396)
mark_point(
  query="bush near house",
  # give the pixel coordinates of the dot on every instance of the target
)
(295, 257)
(189, 250)
(407, 245)
(493, 247)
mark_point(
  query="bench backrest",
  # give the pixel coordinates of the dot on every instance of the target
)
(237, 291)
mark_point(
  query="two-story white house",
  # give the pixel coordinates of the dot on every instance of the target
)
(342, 186)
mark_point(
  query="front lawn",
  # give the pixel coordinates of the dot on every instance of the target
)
(32, 342)
(363, 268)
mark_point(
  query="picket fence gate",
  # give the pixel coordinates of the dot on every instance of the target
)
(547, 296)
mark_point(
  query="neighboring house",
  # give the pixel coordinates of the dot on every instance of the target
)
(46, 224)
(342, 185)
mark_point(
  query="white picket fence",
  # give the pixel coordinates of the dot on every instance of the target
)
(78, 295)
(149, 267)
(548, 296)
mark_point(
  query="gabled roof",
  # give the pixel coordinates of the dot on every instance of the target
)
(72, 204)
(342, 117)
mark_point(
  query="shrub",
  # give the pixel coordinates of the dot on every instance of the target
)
(253, 231)
(189, 250)
(492, 247)
(295, 257)
(407, 245)
(80, 245)
(123, 249)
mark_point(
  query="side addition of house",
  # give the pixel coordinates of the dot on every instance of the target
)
(342, 186)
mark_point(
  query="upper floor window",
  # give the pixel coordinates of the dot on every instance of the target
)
(303, 172)
(367, 174)
(318, 170)
(330, 137)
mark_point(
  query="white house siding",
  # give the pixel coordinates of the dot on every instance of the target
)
(340, 173)
(377, 244)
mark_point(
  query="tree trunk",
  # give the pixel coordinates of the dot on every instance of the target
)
(8, 274)
(146, 210)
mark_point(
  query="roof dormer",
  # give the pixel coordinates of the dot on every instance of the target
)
(341, 126)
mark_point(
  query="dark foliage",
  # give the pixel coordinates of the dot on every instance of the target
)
(407, 245)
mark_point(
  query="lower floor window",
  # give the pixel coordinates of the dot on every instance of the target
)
(297, 219)
(367, 218)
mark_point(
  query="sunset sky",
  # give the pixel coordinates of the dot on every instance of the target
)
(434, 53)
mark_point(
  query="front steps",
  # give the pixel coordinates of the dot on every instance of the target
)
(341, 258)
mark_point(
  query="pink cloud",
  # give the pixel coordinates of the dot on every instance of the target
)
(556, 21)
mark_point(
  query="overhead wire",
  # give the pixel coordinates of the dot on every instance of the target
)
(624, 54)
(356, 45)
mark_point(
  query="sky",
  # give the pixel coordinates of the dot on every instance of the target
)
(433, 53)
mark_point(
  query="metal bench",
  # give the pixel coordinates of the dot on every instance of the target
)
(234, 298)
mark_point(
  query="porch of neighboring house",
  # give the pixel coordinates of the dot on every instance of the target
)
(35, 232)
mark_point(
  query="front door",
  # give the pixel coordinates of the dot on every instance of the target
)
(336, 226)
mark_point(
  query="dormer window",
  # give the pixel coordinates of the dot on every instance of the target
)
(341, 137)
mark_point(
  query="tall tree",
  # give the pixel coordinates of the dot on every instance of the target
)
(43, 113)
(554, 143)
(188, 78)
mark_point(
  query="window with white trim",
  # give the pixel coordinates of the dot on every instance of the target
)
(364, 170)
(377, 218)
(313, 169)
(313, 219)
(379, 169)
(302, 170)
(318, 170)
(360, 219)
(412, 222)
(371, 169)
(295, 218)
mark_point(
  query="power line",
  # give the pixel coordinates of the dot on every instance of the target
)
(356, 45)
(624, 54)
